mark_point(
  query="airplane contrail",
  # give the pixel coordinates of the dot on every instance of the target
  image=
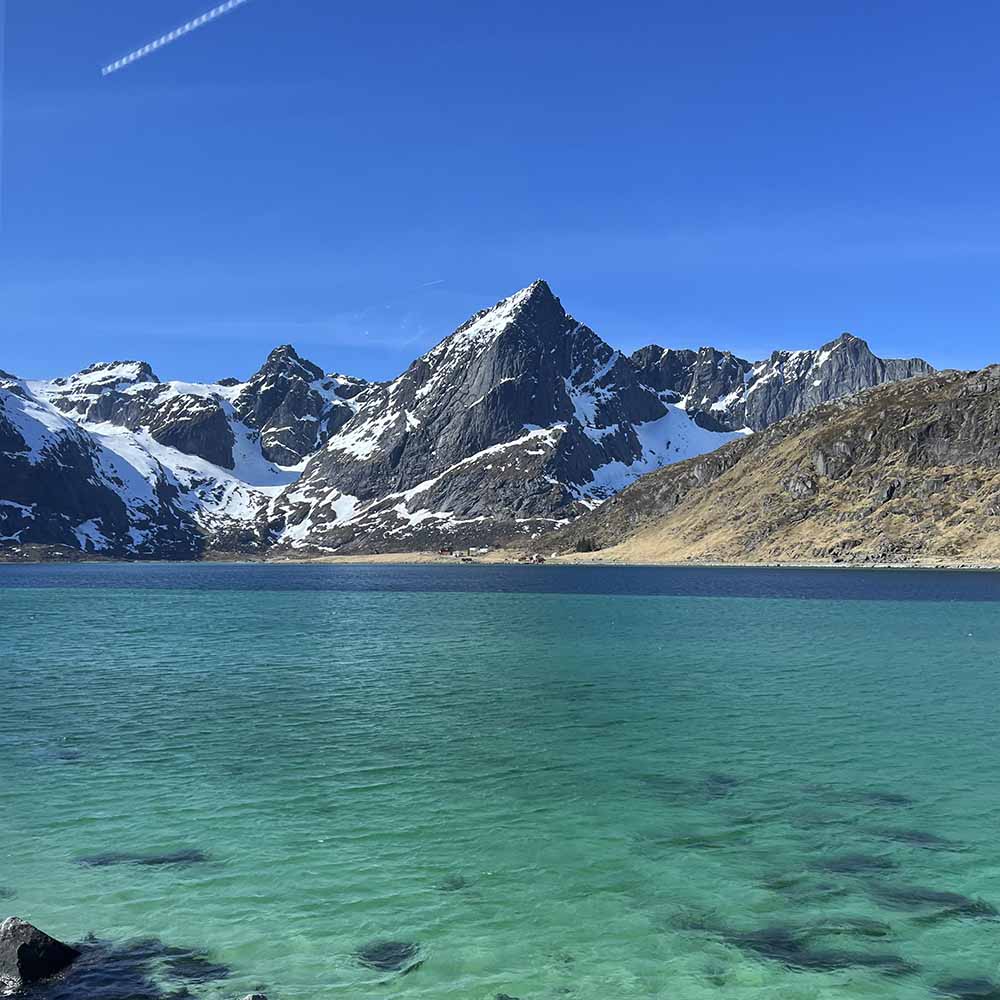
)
(172, 36)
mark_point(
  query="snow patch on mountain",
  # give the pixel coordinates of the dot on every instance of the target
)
(675, 437)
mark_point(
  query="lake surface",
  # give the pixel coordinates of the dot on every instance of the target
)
(553, 782)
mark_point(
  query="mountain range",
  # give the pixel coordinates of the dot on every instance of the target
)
(516, 424)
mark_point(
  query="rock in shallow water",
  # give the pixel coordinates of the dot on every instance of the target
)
(452, 883)
(969, 989)
(187, 856)
(139, 969)
(918, 838)
(195, 968)
(889, 799)
(27, 955)
(857, 864)
(389, 956)
(943, 903)
(793, 947)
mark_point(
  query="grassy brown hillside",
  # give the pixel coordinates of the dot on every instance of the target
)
(908, 472)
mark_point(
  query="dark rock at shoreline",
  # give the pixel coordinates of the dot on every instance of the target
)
(130, 970)
(189, 856)
(28, 955)
(389, 956)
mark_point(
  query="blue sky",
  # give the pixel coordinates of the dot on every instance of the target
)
(357, 178)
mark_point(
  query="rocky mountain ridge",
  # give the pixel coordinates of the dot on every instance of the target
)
(521, 420)
(727, 392)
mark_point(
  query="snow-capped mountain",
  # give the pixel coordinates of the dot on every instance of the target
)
(190, 464)
(520, 420)
(727, 392)
(61, 485)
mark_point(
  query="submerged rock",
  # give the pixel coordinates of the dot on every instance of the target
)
(195, 968)
(918, 838)
(389, 956)
(805, 888)
(6, 892)
(867, 797)
(792, 947)
(720, 786)
(187, 856)
(452, 883)
(28, 955)
(969, 989)
(893, 799)
(948, 904)
(675, 789)
(857, 864)
(854, 926)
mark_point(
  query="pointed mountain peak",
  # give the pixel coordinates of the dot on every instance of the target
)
(283, 351)
(539, 289)
(537, 294)
(286, 360)
(534, 306)
(847, 340)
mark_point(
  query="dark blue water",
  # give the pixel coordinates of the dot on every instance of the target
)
(804, 584)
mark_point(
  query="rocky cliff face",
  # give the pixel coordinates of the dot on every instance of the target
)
(725, 391)
(522, 419)
(294, 406)
(903, 472)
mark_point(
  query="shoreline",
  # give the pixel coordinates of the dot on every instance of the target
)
(501, 557)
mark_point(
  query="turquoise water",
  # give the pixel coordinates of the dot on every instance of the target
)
(553, 793)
